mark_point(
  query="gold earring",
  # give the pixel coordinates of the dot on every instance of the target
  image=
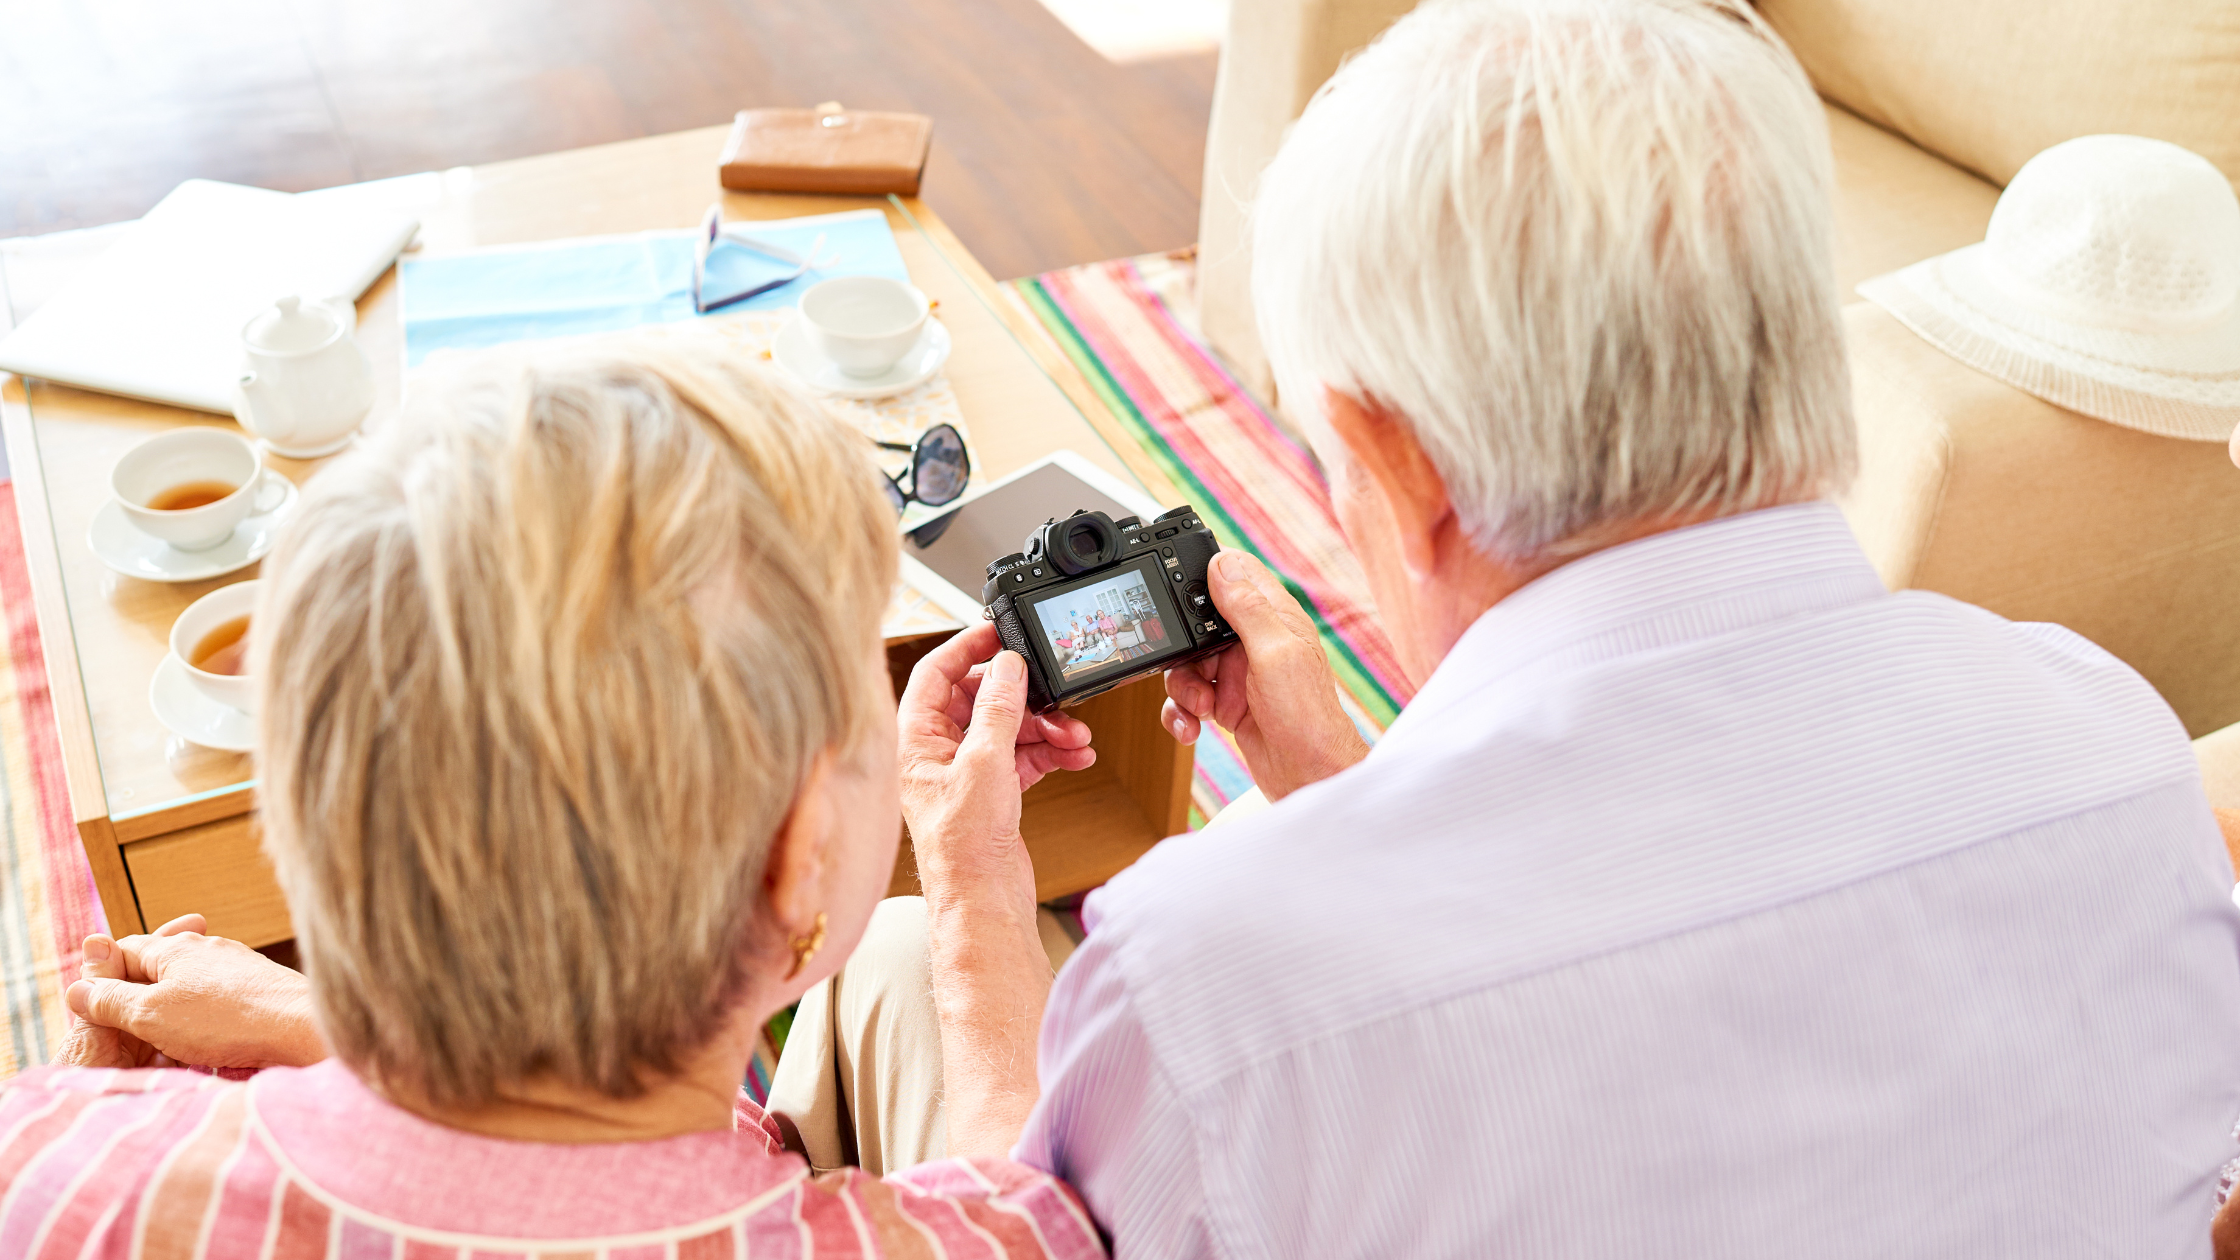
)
(806, 947)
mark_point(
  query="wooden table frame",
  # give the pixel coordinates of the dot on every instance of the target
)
(197, 850)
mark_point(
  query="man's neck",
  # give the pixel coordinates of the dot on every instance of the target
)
(1469, 583)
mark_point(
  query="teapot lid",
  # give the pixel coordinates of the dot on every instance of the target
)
(289, 326)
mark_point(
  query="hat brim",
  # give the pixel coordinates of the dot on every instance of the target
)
(2178, 384)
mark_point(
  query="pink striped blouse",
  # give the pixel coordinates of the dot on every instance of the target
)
(301, 1163)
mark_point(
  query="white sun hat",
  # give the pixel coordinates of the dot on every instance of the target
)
(2107, 283)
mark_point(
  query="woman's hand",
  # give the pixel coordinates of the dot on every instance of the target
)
(968, 750)
(178, 996)
(1273, 691)
(96, 1045)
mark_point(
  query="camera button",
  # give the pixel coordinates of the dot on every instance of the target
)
(1166, 551)
(1170, 531)
(1177, 576)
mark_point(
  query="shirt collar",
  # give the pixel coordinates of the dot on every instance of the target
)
(336, 1132)
(1673, 587)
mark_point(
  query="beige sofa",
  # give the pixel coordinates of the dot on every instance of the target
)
(1967, 486)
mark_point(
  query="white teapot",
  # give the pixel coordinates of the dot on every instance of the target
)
(305, 386)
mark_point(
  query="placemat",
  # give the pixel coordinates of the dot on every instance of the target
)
(500, 294)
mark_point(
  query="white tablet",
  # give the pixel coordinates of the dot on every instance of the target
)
(993, 521)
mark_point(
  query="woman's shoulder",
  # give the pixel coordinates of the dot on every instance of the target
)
(77, 1142)
(972, 1207)
(46, 1105)
(996, 1208)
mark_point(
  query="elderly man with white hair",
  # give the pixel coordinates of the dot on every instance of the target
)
(1708, 899)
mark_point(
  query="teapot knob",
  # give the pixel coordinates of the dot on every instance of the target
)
(288, 305)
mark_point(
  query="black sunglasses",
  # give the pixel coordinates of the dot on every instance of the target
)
(938, 469)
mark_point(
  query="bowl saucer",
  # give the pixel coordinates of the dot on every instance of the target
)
(122, 547)
(916, 366)
(193, 716)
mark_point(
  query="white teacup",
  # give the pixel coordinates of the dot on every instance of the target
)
(195, 624)
(864, 324)
(188, 457)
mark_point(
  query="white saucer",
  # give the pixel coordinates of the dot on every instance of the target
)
(134, 554)
(917, 365)
(191, 715)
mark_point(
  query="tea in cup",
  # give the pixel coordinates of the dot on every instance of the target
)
(211, 638)
(190, 487)
(864, 324)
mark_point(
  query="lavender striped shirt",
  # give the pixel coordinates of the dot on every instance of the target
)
(1708, 901)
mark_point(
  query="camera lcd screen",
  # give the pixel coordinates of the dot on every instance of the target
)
(1105, 625)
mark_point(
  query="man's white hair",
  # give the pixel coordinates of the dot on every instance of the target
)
(1582, 248)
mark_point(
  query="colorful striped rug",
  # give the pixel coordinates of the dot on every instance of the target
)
(47, 901)
(1129, 326)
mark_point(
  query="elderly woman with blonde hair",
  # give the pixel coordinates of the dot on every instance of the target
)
(577, 762)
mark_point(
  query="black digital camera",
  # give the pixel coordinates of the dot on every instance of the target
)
(1093, 602)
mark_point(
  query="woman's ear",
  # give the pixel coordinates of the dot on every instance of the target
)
(801, 858)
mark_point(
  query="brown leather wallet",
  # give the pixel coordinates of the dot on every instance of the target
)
(826, 150)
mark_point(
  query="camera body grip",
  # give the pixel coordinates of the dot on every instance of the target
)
(1013, 632)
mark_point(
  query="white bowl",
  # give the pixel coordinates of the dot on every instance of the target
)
(201, 617)
(863, 323)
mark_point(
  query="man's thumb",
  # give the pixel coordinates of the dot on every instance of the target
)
(1241, 597)
(999, 708)
(109, 1003)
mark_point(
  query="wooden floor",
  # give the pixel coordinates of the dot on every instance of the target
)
(1045, 154)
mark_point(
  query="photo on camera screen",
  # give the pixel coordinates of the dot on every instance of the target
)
(1103, 624)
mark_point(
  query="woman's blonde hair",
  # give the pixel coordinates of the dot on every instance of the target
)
(542, 666)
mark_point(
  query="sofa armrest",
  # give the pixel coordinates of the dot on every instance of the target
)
(1277, 53)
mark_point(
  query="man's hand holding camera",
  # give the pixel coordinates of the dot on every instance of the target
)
(1274, 690)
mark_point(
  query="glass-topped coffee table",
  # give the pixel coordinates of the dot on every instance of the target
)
(168, 825)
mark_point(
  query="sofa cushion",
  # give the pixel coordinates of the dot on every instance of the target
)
(1896, 204)
(1990, 83)
(1975, 489)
